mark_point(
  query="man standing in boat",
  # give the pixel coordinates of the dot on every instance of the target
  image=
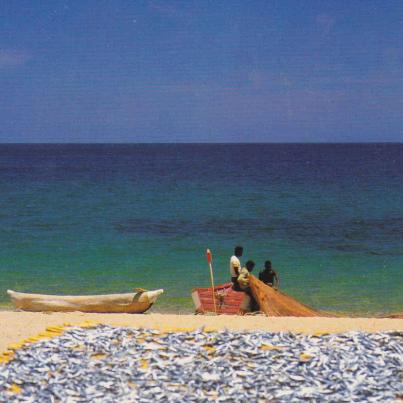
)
(235, 267)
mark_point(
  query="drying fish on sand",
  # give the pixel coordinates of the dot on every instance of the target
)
(138, 301)
(106, 364)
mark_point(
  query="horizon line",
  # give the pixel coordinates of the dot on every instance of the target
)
(199, 143)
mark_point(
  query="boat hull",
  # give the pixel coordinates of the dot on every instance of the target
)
(137, 302)
(228, 301)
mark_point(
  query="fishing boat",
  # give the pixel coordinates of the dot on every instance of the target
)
(227, 301)
(138, 301)
(271, 301)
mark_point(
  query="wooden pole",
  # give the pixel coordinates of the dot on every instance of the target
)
(209, 260)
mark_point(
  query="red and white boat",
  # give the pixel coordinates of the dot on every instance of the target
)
(227, 301)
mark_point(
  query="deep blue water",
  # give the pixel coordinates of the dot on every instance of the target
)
(105, 218)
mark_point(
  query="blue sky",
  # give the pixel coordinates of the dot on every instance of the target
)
(201, 71)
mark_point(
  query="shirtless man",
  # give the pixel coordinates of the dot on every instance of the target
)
(269, 276)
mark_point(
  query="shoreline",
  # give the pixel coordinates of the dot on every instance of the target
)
(9, 307)
(15, 326)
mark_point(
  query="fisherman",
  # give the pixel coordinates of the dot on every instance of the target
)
(269, 276)
(235, 267)
(243, 282)
(243, 278)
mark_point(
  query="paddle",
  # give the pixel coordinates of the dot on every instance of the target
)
(209, 260)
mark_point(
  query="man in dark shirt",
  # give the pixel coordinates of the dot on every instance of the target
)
(269, 276)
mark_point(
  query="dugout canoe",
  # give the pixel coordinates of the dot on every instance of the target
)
(228, 301)
(138, 301)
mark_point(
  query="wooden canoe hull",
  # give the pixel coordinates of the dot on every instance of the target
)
(137, 302)
(228, 301)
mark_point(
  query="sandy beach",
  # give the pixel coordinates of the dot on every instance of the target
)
(16, 326)
(119, 356)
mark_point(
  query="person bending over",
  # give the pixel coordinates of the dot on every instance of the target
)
(269, 276)
(243, 278)
(243, 282)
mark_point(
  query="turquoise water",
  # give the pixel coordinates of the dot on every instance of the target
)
(109, 218)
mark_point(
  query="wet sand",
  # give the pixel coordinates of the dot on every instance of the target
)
(16, 326)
